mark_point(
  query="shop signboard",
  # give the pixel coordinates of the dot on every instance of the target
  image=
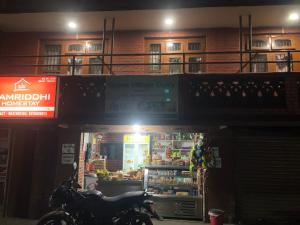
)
(67, 158)
(28, 97)
(68, 148)
(68, 153)
(148, 96)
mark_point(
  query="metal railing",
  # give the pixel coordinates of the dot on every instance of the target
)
(111, 63)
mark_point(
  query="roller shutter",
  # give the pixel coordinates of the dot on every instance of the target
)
(268, 177)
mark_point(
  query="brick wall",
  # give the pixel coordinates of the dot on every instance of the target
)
(221, 39)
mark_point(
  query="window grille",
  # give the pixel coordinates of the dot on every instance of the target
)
(194, 46)
(54, 61)
(75, 48)
(196, 66)
(95, 69)
(283, 43)
(175, 67)
(259, 63)
(172, 47)
(155, 49)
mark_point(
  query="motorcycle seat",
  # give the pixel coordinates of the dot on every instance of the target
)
(126, 195)
(93, 192)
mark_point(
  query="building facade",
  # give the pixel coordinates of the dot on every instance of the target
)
(240, 85)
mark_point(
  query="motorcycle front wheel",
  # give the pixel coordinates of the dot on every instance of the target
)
(141, 219)
(55, 220)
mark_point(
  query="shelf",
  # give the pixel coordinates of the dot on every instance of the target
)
(177, 140)
(167, 167)
(174, 196)
(183, 141)
(159, 175)
(174, 149)
(120, 182)
(182, 186)
(182, 149)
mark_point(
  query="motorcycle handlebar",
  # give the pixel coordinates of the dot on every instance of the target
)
(71, 182)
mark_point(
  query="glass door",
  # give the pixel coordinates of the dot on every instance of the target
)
(135, 151)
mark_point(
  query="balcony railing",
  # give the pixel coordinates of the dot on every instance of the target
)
(141, 63)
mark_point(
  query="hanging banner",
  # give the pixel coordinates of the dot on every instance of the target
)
(151, 96)
(27, 97)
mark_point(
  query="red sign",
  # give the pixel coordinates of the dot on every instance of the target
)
(27, 97)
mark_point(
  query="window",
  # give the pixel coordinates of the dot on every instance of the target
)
(262, 44)
(75, 48)
(95, 69)
(95, 47)
(175, 67)
(196, 66)
(155, 49)
(194, 46)
(282, 64)
(283, 43)
(259, 64)
(77, 68)
(172, 47)
(54, 61)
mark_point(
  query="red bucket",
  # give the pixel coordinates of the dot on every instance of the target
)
(216, 216)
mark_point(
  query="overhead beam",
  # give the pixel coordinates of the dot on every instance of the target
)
(30, 6)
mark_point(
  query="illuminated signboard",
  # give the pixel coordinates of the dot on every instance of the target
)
(27, 97)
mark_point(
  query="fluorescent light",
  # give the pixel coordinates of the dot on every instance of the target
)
(294, 16)
(72, 25)
(169, 21)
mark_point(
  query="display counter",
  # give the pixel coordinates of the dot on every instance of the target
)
(174, 191)
(189, 207)
(117, 187)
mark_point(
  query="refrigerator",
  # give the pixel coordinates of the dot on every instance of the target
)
(136, 151)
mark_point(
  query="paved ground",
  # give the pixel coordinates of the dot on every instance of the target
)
(14, 221)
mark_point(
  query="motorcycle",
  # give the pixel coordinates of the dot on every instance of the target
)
(72, 207)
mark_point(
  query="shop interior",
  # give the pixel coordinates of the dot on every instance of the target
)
(132, 158)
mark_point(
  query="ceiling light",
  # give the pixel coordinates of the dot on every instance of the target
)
(169, 21)
(136, 127)
(87, 45)
(72, 25)
(294, 16)
(170, 44)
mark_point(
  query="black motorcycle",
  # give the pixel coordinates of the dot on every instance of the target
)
(72, 207)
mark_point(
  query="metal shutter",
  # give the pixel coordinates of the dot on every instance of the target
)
(268, 177)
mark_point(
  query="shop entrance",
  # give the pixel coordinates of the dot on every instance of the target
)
(132, 158)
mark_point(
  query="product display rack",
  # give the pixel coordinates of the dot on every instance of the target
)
(166, 151)
(169, 196)
(168, 179)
